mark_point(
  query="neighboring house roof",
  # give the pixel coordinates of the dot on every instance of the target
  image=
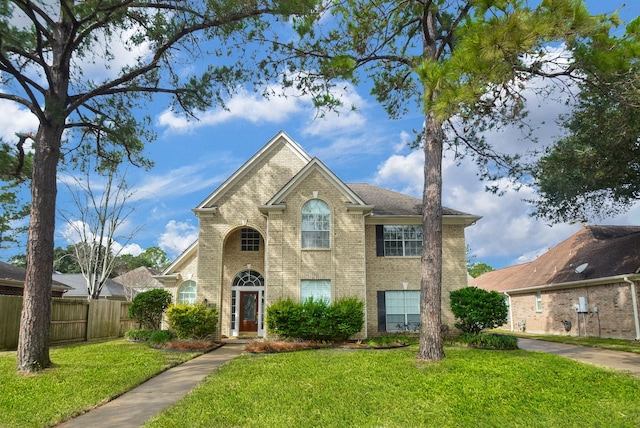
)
(110, 289)
(591, 254)
(139, 278)
(13, 277)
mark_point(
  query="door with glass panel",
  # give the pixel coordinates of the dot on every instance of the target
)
(249, 312)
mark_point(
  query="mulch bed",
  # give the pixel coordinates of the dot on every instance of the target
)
(275, 346)
(192, 345)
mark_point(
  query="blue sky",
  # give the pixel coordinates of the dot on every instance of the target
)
(193, 158)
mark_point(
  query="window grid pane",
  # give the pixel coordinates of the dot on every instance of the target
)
(402, 310)
(316, 225)
(187, 293)
(402, 240)
(249, 240)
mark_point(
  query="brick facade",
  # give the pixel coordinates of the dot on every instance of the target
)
(267, 194)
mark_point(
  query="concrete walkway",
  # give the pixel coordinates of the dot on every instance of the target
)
(133, 408)
(626, 361)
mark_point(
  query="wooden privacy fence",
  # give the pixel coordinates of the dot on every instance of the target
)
(71, 320)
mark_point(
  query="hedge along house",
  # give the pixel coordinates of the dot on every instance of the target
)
(585, 286)
(285, 226)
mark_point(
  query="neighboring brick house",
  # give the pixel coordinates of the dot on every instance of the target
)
(585, 286)
(284, 225)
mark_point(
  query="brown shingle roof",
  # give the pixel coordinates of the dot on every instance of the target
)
(11, 272)
(387, 202)
(608, 251)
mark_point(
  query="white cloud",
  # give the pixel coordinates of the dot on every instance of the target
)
(177, 237)
(74, 232)
(403, 173)
(244, 105)
(15, 119)
(131, 248)
(346, 119)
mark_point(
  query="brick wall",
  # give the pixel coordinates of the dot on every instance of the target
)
(342, 263)
(614, 318)
(389, 273)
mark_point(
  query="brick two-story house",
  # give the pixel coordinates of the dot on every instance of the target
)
(284, 225)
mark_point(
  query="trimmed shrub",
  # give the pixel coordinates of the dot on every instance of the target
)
(316, 319)
(160, 337)
(476, 309)
(193, 321)
(138, 335)
(488, 341)
(147, 307)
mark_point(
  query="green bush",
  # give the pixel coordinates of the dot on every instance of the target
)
(147, 307)
(316, 319)
(138, 335)
(160, 337)
(488, 341)
(193, 321)
(476, 309)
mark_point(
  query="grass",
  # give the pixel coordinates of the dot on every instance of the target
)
(84, 375)
(596, 342)
(390, 388)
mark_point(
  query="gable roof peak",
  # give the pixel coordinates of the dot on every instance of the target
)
(315, 164)
(281, 139)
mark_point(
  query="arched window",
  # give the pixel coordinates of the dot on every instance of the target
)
(316, 224)
(187, 293)
(248, 278)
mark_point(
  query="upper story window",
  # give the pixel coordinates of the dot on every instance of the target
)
(249, 240)
(316, 224)
(399, 240)
(187, 293)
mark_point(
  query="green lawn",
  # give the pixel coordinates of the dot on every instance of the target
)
(84, 375)
(332, 388)
(390, 388)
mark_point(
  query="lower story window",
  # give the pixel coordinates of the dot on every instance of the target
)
(399, 310)
(538, 302)
(316, 289)
(187, 293)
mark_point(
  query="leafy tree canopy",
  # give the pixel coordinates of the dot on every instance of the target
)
(15, 171)
(466, 65)
(594, 170)
(45, 51)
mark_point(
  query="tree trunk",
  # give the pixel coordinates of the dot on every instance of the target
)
(431, 347)
(35, 322)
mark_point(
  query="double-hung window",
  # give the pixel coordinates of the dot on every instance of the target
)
(399, 240)
(399, 310)
(316, 224)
